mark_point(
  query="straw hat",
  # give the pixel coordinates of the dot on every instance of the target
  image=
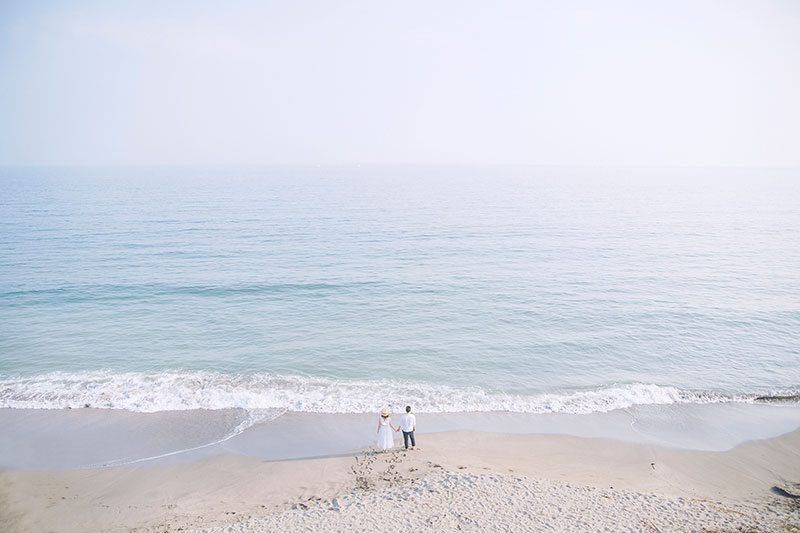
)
(385, 412)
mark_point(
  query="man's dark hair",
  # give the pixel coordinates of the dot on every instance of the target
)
(408, 408)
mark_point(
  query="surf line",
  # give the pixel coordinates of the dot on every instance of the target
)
(248, 422)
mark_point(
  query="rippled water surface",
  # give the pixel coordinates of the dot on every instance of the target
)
(330, 289)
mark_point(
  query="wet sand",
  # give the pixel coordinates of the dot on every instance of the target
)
(86, 438)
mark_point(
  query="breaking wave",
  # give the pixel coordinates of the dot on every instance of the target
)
(169, 391)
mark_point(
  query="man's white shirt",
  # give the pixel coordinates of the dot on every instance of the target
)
(408, 422)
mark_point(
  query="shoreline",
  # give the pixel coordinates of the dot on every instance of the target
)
(456, 478)
(86, 438)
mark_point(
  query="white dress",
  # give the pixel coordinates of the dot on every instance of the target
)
(385, 436)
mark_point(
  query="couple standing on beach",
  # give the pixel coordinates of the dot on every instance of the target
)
(408, 423)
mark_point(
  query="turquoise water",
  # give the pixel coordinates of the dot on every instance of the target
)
(343, 289)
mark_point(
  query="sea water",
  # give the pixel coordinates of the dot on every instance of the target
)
(344, 289)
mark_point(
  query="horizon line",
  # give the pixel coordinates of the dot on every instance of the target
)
(378, 165)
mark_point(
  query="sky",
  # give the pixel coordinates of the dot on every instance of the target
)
(686, 83)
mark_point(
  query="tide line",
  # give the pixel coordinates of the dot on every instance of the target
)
(248, 422)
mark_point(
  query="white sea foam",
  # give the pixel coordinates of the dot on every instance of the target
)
(207, 390)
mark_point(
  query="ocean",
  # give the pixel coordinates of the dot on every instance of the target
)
(344, 289)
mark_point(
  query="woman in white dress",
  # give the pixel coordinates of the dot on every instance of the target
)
(385, 431)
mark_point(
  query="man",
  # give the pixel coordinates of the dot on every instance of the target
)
(408, 423)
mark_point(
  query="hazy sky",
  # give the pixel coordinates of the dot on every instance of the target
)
(342, 82)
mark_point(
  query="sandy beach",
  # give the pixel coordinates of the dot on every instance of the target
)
(456, 480)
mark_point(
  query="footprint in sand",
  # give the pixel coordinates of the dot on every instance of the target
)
(362, 468)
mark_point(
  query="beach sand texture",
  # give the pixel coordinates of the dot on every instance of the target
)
(461, 480)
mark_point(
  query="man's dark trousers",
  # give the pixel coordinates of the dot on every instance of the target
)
(406, 435)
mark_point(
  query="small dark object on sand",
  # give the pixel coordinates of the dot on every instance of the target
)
(783, 492)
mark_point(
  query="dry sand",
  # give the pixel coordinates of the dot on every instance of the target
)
(456, 481)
